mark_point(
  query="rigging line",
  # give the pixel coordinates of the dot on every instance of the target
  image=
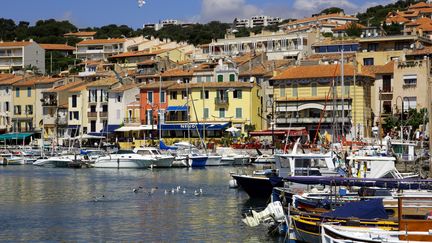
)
(325, 104)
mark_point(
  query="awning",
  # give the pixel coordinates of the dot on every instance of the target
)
(109, 128)
(15, 136)
(294, 132)
(176, 108)
(194, 126)
(136, 128)
(96, 134)
(91, 135)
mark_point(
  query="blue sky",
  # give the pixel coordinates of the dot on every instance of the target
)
(89, 13)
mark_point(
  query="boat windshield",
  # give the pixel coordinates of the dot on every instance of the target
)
(125, 152)
(144, 152)
(310, 162)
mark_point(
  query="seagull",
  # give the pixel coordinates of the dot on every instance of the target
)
(196, 193)
(184, 191)
(152, 190)
(200, 191)
(137, 189)
(172, 191)
(98, 198)
(166, 192)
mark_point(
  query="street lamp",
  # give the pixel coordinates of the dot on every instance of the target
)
(401, 115)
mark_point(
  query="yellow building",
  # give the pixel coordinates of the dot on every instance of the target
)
(305, 97)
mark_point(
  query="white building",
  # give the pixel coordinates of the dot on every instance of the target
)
(255, 21)
(118, 99)
(99, 49)
(18, 55)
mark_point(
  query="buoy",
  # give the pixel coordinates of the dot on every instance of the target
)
(233, 183)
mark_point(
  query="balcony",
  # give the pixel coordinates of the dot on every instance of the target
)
(62, 121)
(103, 114)
(49, 120)
(92, 114)
(386, 94)
(132, 121)
(222, 100)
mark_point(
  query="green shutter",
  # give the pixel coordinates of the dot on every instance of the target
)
(220, 78)
(239, 113)
(232, 78)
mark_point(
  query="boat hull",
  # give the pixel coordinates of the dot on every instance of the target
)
(214, 160)
(122, 163)
(197, 161)
(256, 186)
(164, 162)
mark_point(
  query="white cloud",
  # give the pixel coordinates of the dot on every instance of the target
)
(227, 10)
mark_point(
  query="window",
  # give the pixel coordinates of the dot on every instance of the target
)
(149, 97)
(17, 92)
(29, 91)
(220, 78)
(294, 90)
(17, 110)
(199, 79)
(282, 91)
(105, 108)
(237, 94)
(7, 90)
(387, 83)
(7, 106)
(92, 108)
(29, 109)
(92, 95)
(208, 78)
(162, 96)
(93, 126)
(221, 112)
(410, 80)
(239, 113)
(372, 47)
(117, 114)
(74, 101)
(76, 115)
(149, 117)
(204, 95)
(368, 61)
(184, 95)
(104, 96)
(70, 115)
(409, 103)
(206, 113)
(314, 89)
(119, 98)
(173, 95)
(232, 77)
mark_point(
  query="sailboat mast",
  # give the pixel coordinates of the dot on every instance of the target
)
(187, 112)
(342, 92)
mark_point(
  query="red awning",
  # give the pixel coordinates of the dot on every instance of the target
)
(292, 132)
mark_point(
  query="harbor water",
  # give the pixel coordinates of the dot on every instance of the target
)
(59, 204)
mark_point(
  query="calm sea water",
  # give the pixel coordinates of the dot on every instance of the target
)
(55, 204)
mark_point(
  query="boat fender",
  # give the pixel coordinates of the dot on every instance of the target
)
(233, 183)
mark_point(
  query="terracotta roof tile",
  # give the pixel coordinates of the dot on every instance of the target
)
(101, 41)
(15, 43)
(37, 80)
(60, 47)
(427, 50)
(155, 85)
(387, 68)
(420, 5)
(103, 82)
(348, 25)
(321, 17)
(66, 86)
(81, 33)
(397, 19)
(10, 80)
(265, 68)
(177, 72)
(124, 87)
(315, 71)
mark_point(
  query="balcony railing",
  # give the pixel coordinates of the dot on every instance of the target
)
(221, 101)
(92, 114)
(103, 114)
(310, 120)
(48, 102)
(132, 120)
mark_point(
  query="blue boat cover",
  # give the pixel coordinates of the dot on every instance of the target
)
(368, 209)
(163, 146)
(110, 128)
(176, 108)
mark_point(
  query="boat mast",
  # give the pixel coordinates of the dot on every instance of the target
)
(342, 91)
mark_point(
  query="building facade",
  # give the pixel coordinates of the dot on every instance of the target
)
(19, 55)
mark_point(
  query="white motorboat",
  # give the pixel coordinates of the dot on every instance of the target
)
(236, 159)
(7, 158)
(160, 160)
(214, 160)
(124, 159)
(55, 161)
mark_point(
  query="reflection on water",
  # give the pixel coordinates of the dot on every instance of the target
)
(53, 204)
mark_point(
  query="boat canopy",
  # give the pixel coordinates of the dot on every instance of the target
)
(12, 136)
(193, 126)
(176, 108)
(293, 132)
(366, 209)
(109, 128)
(136, 128)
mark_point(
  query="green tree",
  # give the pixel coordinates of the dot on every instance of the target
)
(7, 29)
(353, 30)
(331, 10)
(393, 29)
